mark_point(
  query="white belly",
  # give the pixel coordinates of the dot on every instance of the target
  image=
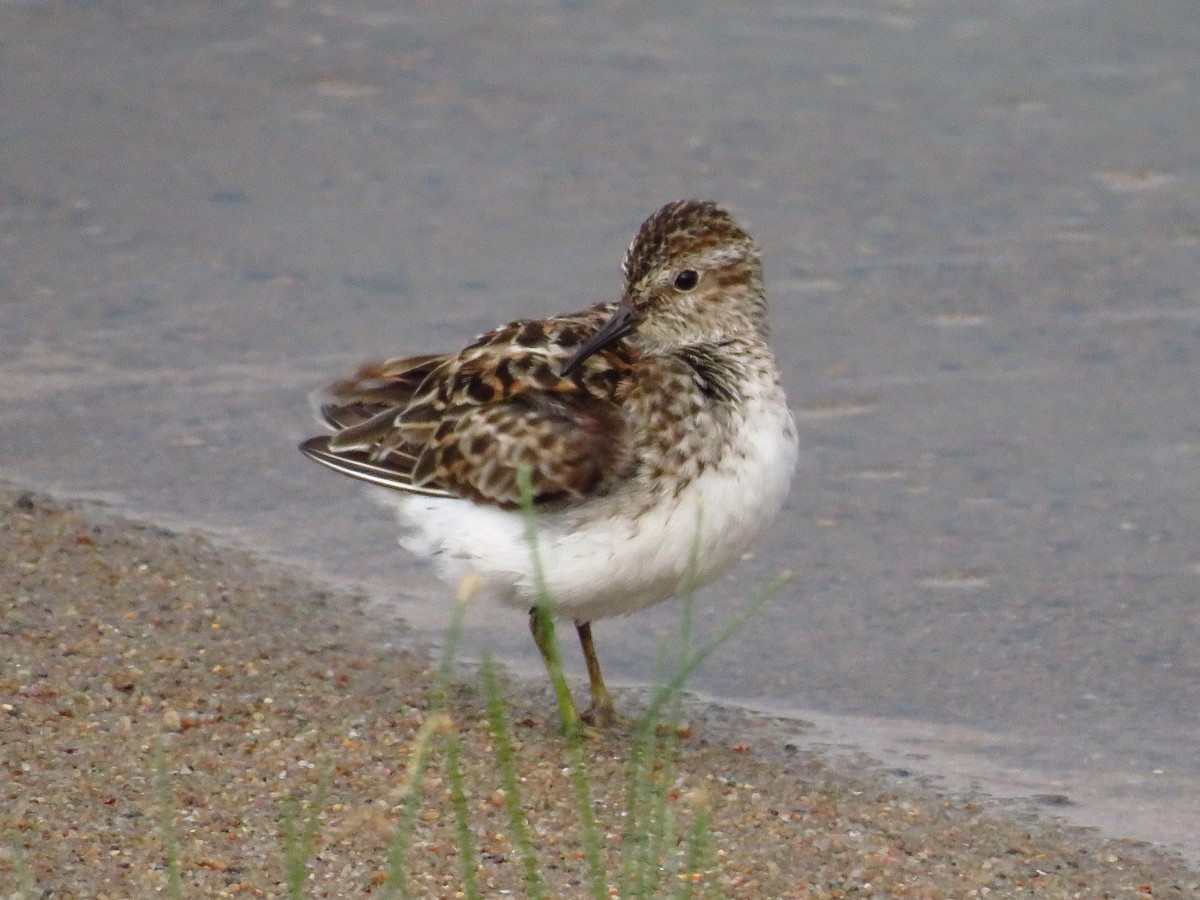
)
(620, 553)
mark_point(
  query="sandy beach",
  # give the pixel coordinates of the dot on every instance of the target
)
(122, 637)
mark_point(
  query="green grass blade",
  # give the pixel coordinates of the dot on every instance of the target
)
(298, 848)
(689, 665)
(545, 619)
(662, 815)
(397, 862)
(635, 835)
(543, 623)
(24, 878)
(437, 721)
(294, 868)
(698, 854)
(166, 808)
(649, 826)
(439, 693)
(506, 758)
(646, 820)
(593, 842)
(468, 856)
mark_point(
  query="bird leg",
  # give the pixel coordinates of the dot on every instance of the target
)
(541, 625)
(601, 713)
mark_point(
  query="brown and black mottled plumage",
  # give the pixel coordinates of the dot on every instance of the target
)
(464, 424)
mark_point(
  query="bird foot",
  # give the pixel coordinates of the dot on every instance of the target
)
(601, 715)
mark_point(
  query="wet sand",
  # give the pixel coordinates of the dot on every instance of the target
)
(120, 637)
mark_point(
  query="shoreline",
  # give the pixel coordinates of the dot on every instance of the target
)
(126, 636)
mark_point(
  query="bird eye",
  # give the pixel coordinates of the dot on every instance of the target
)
(687, 279)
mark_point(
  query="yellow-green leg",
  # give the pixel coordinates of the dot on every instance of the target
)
(601, 713)
(541, 625)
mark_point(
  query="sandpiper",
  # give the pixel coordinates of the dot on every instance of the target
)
(654, 432)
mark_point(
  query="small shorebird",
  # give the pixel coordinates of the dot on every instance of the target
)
(654, 431)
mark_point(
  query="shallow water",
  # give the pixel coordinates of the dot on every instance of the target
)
(982, 248)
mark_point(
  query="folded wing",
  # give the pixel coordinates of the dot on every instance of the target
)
(465, 425)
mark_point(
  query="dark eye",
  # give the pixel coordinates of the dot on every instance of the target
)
(687, 279)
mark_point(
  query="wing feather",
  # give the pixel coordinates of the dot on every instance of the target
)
(465, 425)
